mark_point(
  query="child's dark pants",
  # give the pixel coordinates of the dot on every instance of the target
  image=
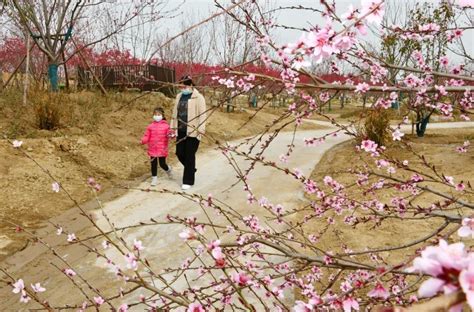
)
(154, 165)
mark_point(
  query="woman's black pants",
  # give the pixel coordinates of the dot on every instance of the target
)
(186, 149)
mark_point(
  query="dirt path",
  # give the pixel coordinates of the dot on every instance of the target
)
(164, 248)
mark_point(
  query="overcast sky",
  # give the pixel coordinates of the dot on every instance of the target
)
(297, 18)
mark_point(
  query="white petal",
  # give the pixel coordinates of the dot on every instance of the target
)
(430, 287)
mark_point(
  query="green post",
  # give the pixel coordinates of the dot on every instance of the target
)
(53, 76)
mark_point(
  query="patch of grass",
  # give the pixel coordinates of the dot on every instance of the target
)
(49, 109)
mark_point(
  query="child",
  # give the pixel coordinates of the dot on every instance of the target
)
(157, 137)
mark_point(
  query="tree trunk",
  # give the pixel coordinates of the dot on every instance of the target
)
(342, 98)
(65, 70)
(421, 126)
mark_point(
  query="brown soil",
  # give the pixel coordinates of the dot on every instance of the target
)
(438, 148)
(95, 139)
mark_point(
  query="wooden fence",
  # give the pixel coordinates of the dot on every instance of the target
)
(144, 77)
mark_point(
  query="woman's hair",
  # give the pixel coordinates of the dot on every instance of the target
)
(160, 110)
(186, 80)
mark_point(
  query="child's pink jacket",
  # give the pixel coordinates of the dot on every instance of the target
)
(157, 137)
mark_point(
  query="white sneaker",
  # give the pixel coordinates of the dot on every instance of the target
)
(185, 187)
(154, 181)
(169, 173)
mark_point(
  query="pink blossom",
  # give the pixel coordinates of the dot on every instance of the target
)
(444, 263)
(99, 300)
(17, 144)
(71, 237)
(449, 179)
(18, 286)
(187, 234)
(441, 90)
(444, 61)
(460, 187)
(467, 228)
(299, 63)
(216, 253)
(362, 88)
(240, 278)
(240, 83)
(344, 43)
(466, 279)
(123, 308)
(465, 4)
(55, 186)
(131, 261)
(97, 187)
(213, 244)
(37, 288)
(419, 57)
(431, 287)
(463, 148)
(265, 59)
(91, 181)
(319, 42)
(69, 272)
(377, 9)
(350, 14)
(369, 146)
(456, 70)
(416, 178)
(302, 307)
(283, 158)
(298, 173)
(324, 96)
(105, 244)
(430, 28)
(250, 77)
(349, 304)
(229, 83)
(24, 297)
(397, 135)
(362, 28)
(446, 109)
(137, 245)
(310, 186)
(412, 81)
(379, 292)
(59, 231)
(195, 307)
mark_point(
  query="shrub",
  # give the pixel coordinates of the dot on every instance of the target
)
(376, 126)
(48, 110)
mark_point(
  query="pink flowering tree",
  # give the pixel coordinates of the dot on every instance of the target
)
(280, 259)
(430, 31)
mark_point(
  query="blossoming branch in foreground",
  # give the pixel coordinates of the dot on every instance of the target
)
(451, 268)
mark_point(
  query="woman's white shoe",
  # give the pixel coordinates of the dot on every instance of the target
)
(185, 187)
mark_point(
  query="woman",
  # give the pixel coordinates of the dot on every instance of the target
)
(189, 120)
